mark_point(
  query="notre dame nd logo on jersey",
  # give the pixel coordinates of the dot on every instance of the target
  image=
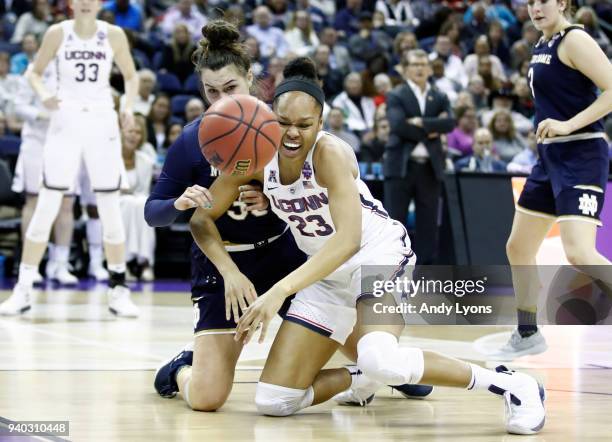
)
(587, 204)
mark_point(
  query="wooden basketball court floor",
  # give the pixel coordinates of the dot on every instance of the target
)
(71, 360)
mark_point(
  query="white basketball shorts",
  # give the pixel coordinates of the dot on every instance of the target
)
(328, 307)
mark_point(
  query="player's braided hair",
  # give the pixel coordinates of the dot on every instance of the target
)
(220, 47)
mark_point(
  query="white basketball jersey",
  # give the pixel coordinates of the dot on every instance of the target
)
(28, 105)
(84, 67)
(304, 204)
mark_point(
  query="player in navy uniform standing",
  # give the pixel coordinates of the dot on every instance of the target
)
(568, 182)
(251, 233)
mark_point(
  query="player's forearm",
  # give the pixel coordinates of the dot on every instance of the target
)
(332, 255)
(601, 107)
(160, 212)
(131, 89)
(36, 82)
(208, 239)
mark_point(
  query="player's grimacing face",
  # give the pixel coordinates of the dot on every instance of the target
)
(299, 116)
(228, 80)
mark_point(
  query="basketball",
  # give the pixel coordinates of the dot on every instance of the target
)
(239, 135)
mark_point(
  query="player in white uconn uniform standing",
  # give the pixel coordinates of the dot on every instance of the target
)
(84, 128)
(313, 184)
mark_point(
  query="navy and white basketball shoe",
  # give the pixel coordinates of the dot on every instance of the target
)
(165, 377)
(362, 389)
(413, 391)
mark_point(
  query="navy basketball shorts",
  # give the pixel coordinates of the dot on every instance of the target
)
(568, 181)
(264, 266)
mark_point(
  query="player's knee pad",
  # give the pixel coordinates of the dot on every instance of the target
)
(113, 231)
(274, 400)
(47, 207)
(381, 358)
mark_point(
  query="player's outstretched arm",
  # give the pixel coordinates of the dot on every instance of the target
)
(585, 55)
(125, 63)
(239, 291)
(48, 48)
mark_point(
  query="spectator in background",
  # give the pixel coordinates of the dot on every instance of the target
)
(397, 13)
(504, 99)
(300, 35)
(485, 70)
(414, 160)
(524, 105)
(193, 109)
(176, 56)
(376, 64)
(506, 141)
(158, 120)
(452, 29)
(404, 41)
(587, 17)
(144, 98)
(21, 60)
(493, 11)
(522, 49)
(257, 62)
(139, 236)
(335, 126)
(482, 49)
(453, 66)
(450, 87)
(475, 20)
(372, 151)
(358, 110)
(185, 12)
(272, 42)
(280, 13)
(478, 91)
(382, 83)
(482, 160)
(464, 99)
(271, 79)
(368, 42)
(524, 161)
(498, 43)
(128, 14)
(317, 16)
(347, 19)
(8, 83)
(461, 140)
(173, 132)
(35, 22)
(339, 56)
(331, 78)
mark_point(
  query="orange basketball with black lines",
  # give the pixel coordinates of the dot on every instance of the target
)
(239, 135)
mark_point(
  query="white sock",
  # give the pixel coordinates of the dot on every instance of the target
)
(117, 268)
(95, 255)
(61, 254)
(483, 379)
(51, 252)
(27, 274)
(94, 232)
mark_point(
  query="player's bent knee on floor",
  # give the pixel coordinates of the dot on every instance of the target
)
(382, 359)
(274, 400)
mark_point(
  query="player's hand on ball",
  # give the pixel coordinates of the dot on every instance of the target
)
(259, 312)
(252, 195)
(51, 103)
(550, 128)
(239, 293)
(194, 196)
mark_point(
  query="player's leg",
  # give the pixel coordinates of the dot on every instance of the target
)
(102, 158)
(61, 157)
(62, 234)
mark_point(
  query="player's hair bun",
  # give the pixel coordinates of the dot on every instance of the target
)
(302, 67)
(220, 35)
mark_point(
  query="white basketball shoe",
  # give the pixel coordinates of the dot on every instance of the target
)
(120, 302)
(18, 303)
(518, 346)
(362, 389)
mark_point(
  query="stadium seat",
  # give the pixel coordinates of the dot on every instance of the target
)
(9, 145)
(168, 83)
(177, 104)
(192, 85)
(157, 61)
(11, 48)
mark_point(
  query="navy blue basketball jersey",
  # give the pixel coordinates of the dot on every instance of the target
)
(560, 92)
(185, 166)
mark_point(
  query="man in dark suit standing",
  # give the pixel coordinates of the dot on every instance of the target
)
(414, 161)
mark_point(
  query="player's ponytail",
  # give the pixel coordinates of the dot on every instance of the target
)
(220, 47)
